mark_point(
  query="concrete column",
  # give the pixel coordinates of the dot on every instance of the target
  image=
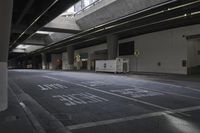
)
(5, 26)
(24, 64)
(70, 52)
(89, 62)
(112, 42)
(34, 63)
(44, 61)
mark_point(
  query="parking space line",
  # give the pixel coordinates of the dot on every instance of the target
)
(130, 118)
(168, 84)
(110, 93)
(169, 93)
(113, 94)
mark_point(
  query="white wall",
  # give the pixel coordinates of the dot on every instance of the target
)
(168, 47)
(193, 57)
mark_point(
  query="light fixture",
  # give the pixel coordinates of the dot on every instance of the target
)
(43, 32)
(22, 46)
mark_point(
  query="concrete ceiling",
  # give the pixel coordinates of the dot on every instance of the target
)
(154, 18)
(31, 15)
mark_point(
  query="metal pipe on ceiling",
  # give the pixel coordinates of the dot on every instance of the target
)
(166, 4)
(151, 10)
(171, 20)
(70, 40)
(139, 13)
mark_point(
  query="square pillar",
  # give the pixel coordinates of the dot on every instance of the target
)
(5, 26)
(70, 53)
(112, 42)
(44, 61)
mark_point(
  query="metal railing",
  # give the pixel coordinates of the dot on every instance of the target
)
(72, 15)
(87, 7)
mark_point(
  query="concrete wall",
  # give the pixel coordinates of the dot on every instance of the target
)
(168, 47)
(63, 23)
(108, 10)
(5, 26)
(55, 37)
(193, 53)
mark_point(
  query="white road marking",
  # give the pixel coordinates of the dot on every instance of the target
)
(170, 93)
(170, 80)
(168, 84)
(46, 87)
(190, 88)
(136, 92)
(82, 98)
(95, 83)
(131, 118)
(42, 88)
(113, 94)
(69, 101)
(61, 86)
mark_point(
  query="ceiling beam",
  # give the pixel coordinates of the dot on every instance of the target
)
(52, 29)
(35, 44)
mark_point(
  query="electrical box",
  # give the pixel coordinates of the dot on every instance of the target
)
(120, 65)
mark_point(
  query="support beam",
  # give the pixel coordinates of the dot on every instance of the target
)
(60, 30)
(34, 44)
(44, 61)
(5, 26)
(112, 42)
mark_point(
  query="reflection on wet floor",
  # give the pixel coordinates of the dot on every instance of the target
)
(181, 125)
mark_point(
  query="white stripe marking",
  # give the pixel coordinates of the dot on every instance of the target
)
(172, 85)
(110, 93)
(169, 93)
(121, 96)
(130, 118)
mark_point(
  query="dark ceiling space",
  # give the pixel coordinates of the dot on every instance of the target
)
(31, 15)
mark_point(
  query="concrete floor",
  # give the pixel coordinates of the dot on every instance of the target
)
(107, 103)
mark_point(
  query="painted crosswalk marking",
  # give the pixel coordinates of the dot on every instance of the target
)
(46, 87)
(81, 98)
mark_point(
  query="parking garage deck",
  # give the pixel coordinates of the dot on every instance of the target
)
(108, 103)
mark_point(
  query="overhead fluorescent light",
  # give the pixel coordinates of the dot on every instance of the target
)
(18, 50)
(43, 32)
(22, 46)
